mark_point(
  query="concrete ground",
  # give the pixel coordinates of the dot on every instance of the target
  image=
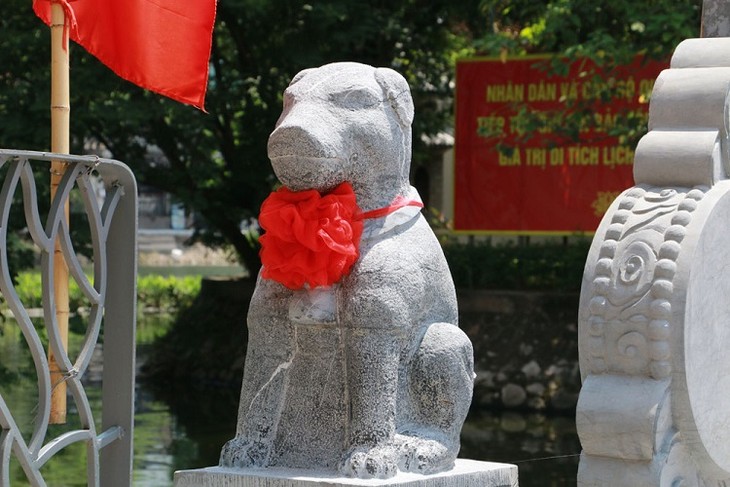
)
(168, 248)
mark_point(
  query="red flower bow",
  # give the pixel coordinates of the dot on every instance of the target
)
(310, 238)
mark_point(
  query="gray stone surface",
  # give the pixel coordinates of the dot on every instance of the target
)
(466, 473)
(653, 330)
(370, 376)
(715, 18)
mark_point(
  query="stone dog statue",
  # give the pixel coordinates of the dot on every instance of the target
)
(368, 375)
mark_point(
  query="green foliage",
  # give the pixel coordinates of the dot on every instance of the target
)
(215, 162)
(545, 267)
(605, 31)
(29, 289)
(167, 292)
(21, 254)
(153, 291)
(19, 249)
(609, 33)
(210, 333)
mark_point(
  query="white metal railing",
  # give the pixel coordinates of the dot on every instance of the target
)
(112, 302)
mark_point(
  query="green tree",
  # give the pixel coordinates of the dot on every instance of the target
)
(216, 162)
(609, 33)
(605, 31)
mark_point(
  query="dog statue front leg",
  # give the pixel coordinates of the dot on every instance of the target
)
(372, 378)
(265, 378)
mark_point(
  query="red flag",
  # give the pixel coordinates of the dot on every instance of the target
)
(160, 45)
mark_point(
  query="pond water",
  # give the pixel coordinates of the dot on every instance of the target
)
(180, 430)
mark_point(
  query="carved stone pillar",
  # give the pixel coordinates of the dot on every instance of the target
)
(654, 324)
(715, 18)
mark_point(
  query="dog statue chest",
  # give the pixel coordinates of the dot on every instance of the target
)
(316, 306)
(319, 305)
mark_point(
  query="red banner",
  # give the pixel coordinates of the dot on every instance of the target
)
(515, 172)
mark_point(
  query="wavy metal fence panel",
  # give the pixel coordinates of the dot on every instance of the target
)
(110, 293)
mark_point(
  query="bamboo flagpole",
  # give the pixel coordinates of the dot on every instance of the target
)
(60, 135)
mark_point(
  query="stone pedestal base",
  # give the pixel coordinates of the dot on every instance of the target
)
(466, 473)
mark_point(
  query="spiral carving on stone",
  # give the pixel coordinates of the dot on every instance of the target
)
(633, 281)
(635, 272)
(632, 269)
(632, 345)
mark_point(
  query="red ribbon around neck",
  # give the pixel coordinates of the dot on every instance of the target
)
(314, 238)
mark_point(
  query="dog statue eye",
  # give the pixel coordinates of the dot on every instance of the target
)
(358, 99)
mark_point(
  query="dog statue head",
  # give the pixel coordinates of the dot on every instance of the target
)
(345, 122)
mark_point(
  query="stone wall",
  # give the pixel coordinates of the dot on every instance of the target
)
(525, 347)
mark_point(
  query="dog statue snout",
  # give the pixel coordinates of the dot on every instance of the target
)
(302, 161)
(297, 140)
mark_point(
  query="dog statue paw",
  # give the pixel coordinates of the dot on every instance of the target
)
(355, 361)
(379, 462)
(240, 453)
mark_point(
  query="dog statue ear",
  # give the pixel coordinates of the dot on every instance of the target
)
(301, 74)
(398, 94)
